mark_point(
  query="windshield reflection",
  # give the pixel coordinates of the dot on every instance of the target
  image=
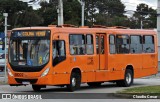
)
(29, 52)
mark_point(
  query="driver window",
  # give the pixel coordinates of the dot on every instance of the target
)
(58, 49)
(55, 52)
(58, 53)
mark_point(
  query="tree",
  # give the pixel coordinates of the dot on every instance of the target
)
(152, 18)
(111, 7)
(72, 12)
(48, 12)
(90, 11)
(145, 15)
(18, 12)
(105, 12)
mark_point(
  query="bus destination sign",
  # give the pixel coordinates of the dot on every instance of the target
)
(19, 34)
(33, 34)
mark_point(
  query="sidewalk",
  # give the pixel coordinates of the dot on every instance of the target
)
(157, 76)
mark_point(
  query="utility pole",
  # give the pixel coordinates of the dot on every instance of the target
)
(158, 27)
(83, 5)
(60, 12)
(5, 15)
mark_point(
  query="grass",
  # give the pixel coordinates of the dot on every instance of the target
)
(139, 90)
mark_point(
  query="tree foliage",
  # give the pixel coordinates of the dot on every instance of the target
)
(19, 14)
(145, 14)
(97, 12)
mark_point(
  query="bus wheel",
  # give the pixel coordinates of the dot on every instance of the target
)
(75, 81)
(128, 80)
(36, 87)
(94, 84)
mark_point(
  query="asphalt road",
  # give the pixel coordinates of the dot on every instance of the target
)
(105, 88)
(85, 89)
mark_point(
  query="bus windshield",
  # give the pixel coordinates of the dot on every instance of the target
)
(29, 52)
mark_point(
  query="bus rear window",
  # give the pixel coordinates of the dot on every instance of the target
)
(148, 44)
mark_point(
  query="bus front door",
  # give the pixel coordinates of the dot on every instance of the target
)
(100, 47)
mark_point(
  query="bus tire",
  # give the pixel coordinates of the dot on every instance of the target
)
(94, 84)
(75, 82)
(128, 79)
(36, 87)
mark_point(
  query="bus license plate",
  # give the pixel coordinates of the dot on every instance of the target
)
(25, 83)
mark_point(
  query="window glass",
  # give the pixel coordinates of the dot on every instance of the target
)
(58, 49)
(89, 45)
(148, 44)
(77, 44)
(122, 44)
(30, 53)
(102, 44)
(97, 44)
(136, 44)
(112, 45)
(59, 52)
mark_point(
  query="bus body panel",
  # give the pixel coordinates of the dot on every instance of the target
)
(94, 68)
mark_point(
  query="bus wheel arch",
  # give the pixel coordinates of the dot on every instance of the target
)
(75, 80)
(128, 77)
(130, 67)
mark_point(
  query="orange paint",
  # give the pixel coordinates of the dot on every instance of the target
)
(101, 67)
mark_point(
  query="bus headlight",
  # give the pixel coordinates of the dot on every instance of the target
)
(9, 72)
(45, 72)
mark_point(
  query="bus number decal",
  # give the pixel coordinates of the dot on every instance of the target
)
(90, 61)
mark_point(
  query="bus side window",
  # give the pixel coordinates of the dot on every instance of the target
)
(59, 52)
(97, 44)
(55, 52)
(148, 44)
(122, 44)
(102, 44)
(136, 44)
(77, 44)
(89, 44)
(112, 45)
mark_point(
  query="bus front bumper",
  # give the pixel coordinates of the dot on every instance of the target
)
(46, 80)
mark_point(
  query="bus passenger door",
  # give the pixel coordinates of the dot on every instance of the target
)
(100, 49)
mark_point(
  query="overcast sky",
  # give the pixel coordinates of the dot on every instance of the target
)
(132, 4)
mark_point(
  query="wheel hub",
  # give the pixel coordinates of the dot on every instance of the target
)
(73, 81)
(128, 78)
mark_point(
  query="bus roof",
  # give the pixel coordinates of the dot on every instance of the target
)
(91, 30)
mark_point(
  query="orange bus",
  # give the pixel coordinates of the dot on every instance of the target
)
(68, 56)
